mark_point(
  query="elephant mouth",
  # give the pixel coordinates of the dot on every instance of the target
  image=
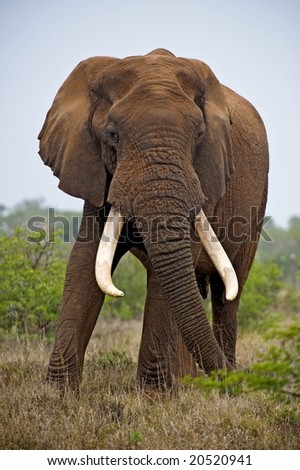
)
(213, 247)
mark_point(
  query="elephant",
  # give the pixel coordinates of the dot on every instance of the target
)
(173, 167)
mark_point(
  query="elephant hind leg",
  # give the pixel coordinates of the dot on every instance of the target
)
(225, 312)
(224, 318)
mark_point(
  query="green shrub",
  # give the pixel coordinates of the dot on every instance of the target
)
(31, 282)
(130, 276)
(277, 371)
(135, 439)
(260, 296)
(291, 301)
(113, 358)
(32, 279)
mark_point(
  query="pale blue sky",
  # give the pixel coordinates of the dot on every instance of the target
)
(251, 45)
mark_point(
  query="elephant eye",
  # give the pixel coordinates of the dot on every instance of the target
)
(199, 133)
(112, 135)
(198, 137)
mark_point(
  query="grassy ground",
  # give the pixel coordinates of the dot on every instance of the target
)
(112, 414)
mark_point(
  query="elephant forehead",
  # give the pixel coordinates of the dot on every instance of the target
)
(157, 105)
(157, 70)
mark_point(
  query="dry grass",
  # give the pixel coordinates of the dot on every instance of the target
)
(112, 414)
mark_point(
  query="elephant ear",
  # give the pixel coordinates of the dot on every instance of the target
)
(67, 143)
(214, 161)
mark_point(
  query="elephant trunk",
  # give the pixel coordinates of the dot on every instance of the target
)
(169, 249)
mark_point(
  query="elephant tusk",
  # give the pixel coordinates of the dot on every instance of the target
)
(217, 254)
(106, 252)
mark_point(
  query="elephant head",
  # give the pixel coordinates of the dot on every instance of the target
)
(151, 136)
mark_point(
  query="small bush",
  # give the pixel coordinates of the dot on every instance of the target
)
(259, 298)
(135, 439)
(31, 282)
(277, 372)
(113, 358)
(130, 276)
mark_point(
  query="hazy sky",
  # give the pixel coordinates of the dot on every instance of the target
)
(251, 45)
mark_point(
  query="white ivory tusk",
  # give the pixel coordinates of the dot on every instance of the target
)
(106, 251)
(217, 254)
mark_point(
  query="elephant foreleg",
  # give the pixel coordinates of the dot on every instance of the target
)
(163, 354)
(81, 302)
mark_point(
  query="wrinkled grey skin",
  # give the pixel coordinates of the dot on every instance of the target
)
(160, 138)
